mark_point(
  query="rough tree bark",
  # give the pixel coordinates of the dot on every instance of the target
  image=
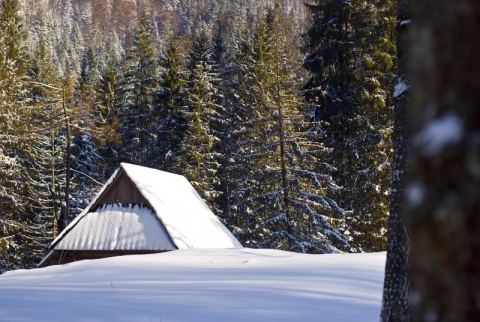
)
(395, 288)
(443, 191)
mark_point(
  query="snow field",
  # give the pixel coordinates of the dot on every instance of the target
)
(199, 285)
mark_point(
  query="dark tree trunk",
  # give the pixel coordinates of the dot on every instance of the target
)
(443, 192)
(395, 288)
(64, 213)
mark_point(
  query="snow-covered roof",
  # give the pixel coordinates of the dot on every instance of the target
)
(186, 218)
(117, 227)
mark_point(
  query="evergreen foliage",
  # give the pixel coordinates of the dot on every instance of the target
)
(171, 124)
(24, 189)
(278, 189)
(217, 93)
(108, 107)
(198, 161)
(223, 124)
(349, 54)
(139, 88)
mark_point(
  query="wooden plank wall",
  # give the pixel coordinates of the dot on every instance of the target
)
(123, 191)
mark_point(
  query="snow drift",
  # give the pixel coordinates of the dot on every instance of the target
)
(199, 285)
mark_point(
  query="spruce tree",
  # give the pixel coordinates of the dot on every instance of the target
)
(224, 123)
(11, 103)
(71, 43)
(198, 161)
(139, 88)
(349, 55)
(276, 182)
(170, 124)
(26, 229)
(49, 169)
(109, 104)
(147, 74)
(43, 70)
(84, 115)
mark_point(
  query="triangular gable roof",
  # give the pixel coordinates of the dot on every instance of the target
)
(188, 221)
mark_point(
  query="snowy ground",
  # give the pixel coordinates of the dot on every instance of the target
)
(199, 285)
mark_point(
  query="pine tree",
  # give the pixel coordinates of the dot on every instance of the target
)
(223, 123)
(84, 114)
(171, 125)
(71, 43)
(275, 182)
(25, 230)
(139, 88)
(198, 161)
(109, 97)
(352, 99)
(10, 103)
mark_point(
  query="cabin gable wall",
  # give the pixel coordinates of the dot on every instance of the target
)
(122, 191)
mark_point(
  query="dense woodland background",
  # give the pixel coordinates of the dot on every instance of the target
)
(280, 113)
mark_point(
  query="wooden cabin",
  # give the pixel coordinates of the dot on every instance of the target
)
(140, 211)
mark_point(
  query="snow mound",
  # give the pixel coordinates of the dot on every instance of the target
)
(200, 285)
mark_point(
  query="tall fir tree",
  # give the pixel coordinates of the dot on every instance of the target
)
(12, 103)
(71, 43)
(25, 193)
(139, 88)
(109, 104)
(275, 181)
(170, 125)
(223, 123)
(352, 98)
(85, 116)
(198, 161)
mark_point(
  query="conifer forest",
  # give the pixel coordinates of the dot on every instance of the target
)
(280, 114)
